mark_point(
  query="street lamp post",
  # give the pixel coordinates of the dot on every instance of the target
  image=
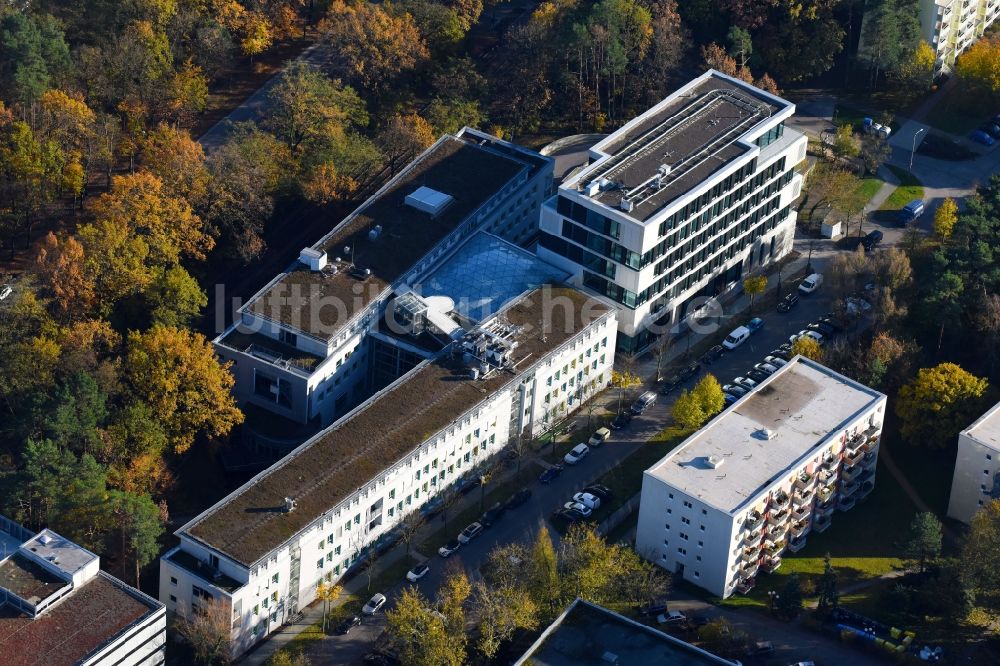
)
(913, 146)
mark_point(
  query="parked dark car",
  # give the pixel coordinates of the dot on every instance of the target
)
(345, 627)
(653, 609)
(691, 370)
(993, 129)
(788, 302)
(712, 355)
(831, 322)
(729, 398)
(569, 515)
(492, 515)
(757, 375)
(552, 472)
(872, 240)
(598, 490)
(621, 421)
(518, 498)
(822, 327)
(671, 384)
(466, 486)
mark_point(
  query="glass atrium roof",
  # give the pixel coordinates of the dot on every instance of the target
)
(487, 272)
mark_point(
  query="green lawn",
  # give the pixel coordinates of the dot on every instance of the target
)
(910, 189)
(845, 113)
(867, 188)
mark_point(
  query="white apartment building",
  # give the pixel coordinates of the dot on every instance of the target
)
(977, 467)
(299, 346)
(681, 202)
(952, 26)
(315, 514)
(59, 609)
(758, 478)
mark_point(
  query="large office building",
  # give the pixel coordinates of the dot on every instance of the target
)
(57, 608)
(756, 480)
(977, 467)
(586, 634)
(315, 514)
(300, 347)
(952, 26)
(681, 202)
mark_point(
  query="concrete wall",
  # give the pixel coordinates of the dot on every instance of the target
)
(974, 482)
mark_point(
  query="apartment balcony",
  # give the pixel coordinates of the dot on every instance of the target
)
(846, 503)
(745, 585)
(803, 512)
(826, 508)
(804, 481)
(779, 501)
(854, 457)
(753, 521)
(872, 446)
(866, 488)
(870, 459)
(771, 564)
(752, 540)
(850, 473)
(774, 547)
(803, 498)
(799, 528)
(777, 517)
(795, 545)
(848, 489)
(825, 493)
(855, 443)
(830, 463)
(820, 523)
(776, 532)
(750, 569)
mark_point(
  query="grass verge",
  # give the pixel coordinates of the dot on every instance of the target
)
(910, 188)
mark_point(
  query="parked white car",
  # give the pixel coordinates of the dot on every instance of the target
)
(600, 436)
(815, 335)
(588, 500)
(811, 283)
(576, 506)
(578, 453)
(374, 604)
(5, 291)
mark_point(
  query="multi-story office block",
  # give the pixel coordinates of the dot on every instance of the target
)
(681, 202)
(762, 475)
(977, 467)
(58, 608)
(263, 550)
(299, 346)
(952, 26)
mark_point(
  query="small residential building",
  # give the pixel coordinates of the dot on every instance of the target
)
(318, 512)
(586, 634)
(977, 467)
(57, 608)
(679, 204)
(952, 26)
(300, 347)
(760, 477)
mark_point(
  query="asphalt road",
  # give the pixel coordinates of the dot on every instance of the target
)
(521, 524)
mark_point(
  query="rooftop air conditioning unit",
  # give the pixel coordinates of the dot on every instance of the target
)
(289, 505)
(313, 258)
(664, 170)
(593, 187)
(715, 462)
(626, 204)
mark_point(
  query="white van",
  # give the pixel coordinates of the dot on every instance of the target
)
(811, 283)
(736, 338)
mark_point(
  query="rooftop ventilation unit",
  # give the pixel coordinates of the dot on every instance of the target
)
(626, 204)
(375, 232)
(45, 539)
(664, 170)
(429, 200)
(313, 258)
(766, 433)
(715, 462)
(289, 505)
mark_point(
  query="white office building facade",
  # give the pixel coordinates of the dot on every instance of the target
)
(681, 202)
(267, 582)
(752, 484)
